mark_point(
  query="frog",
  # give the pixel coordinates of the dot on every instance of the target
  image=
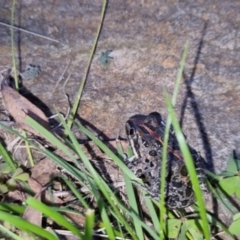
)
(145, 135)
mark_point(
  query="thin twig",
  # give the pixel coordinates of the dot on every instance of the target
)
(61, 77)
(26, 31)
(13, 47)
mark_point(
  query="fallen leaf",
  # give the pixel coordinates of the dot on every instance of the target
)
(32, 215)
(42, 173)
(19, 107)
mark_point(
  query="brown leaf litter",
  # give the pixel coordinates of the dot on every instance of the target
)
(19, 107)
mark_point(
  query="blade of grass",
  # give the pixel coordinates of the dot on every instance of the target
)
(179, 74)
(29, 153)
(13, 46)
(51, 138)
(107, 192)
(133, 206)
(112, 155)
(7, 158)
(79, 94)
(57, 217)
(190, 166)
(165, 144)
(88, 233)
(4, 231)
(75, 191)
(153, 214)
(26, 226)
(131, 197)
(14, 208)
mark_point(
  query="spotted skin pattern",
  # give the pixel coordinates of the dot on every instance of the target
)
(145, 135)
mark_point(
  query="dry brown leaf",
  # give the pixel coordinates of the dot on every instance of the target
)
(44, 170)
(32, 215)
(41, 175)
(19, 107)
(76, 218)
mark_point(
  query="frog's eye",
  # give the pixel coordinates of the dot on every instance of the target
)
(130, 129)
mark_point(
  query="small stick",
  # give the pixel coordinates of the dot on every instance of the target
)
(26, 31)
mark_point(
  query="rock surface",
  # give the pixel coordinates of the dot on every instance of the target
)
(147, 39)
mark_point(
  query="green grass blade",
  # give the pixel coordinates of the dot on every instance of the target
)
(14, 208)
(79, 94)
(75, 191)
(97, 179)
(4, 231)
(110, 196)
(153, 214)
(163, 179)
(106, 221)
(49, 136)
(57, 217)
(88, 233)
(113, 156)
(133, 206)
(29, 153)
(7, 158)
(190, 166)
(26, 226)
(165, 144)
(179, 74)
(131, 197)
(13, 46)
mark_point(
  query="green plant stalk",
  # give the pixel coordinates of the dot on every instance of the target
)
(153, 214)
(89, 224)
(75, 191)
(13, 46)
(7, 158)
(25, 225)
(79, 94)
(132, 198)
(133, 206)
(165, 144)
(14, 208)
(101, 184)
(29, 153)
(57, 217)
(7, 232)
(190, 166)
(112, 155)
(179, 74)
